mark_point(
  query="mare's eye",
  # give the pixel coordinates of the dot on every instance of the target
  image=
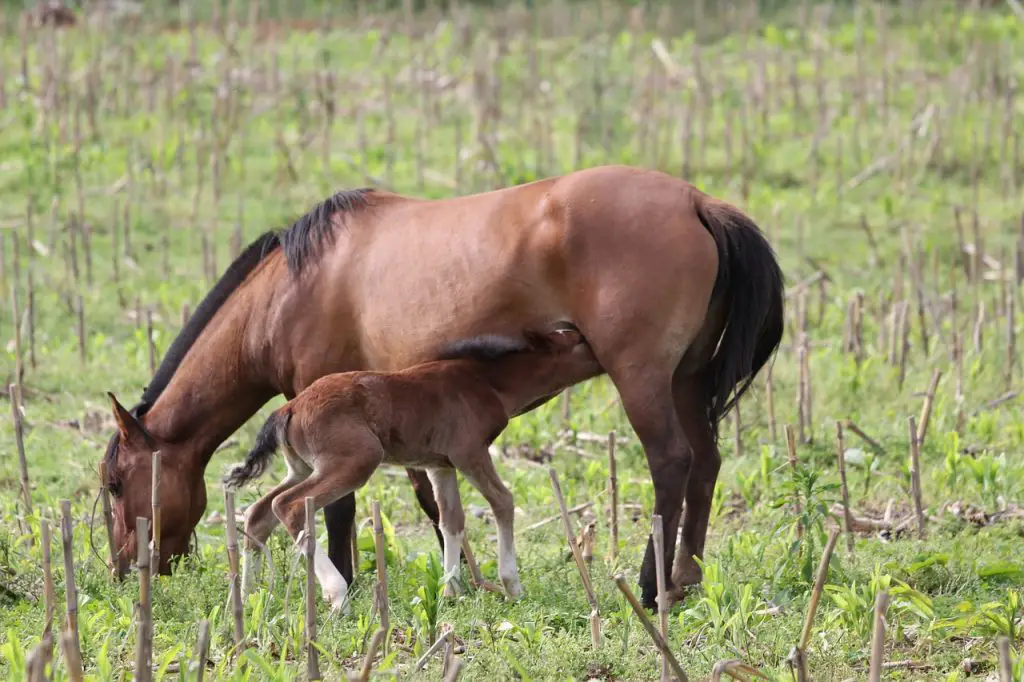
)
(114, 488)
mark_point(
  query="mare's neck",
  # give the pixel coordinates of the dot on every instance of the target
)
(217, 387)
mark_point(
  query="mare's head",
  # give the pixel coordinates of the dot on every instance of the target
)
(128, 478)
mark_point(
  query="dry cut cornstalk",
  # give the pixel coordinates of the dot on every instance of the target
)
(108, 517)
(474, 570)
(371, 653)
(382, 568)
(736, 669)
(154, 558)
(14, 393)
(49, 593)
(658, 534)
(926, 409)
(454, 671)
(843, 488)
(441, 643)
(70, 639)
(915, 477)
(235, 587)
(878, 637)
(312, 655)
(791, 447)
(819, 586)
(551, 519)
(1005, 663)
(613, 496)
(659, 641)
(202, 649)
(144, 633)
(595, 616)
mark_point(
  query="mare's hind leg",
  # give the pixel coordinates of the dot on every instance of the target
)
(647, 399)
(339, 521)
(453, 523)
(690, 408)
(480, 471)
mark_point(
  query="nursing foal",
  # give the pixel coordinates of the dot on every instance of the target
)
(439, 416)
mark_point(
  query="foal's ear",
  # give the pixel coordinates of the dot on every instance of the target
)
(127, 424)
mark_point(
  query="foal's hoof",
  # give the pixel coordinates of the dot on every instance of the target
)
(453, 588)
(339, 603)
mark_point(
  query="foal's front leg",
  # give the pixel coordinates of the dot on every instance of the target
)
(453, 523)
(479, 470)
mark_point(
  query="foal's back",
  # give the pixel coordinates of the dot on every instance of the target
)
(418, 414)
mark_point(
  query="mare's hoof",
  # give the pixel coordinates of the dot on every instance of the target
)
(687, 573)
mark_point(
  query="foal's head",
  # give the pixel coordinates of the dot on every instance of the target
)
(129, 456)
(530, 370)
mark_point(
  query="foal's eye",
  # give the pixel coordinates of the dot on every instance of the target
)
(114, 488)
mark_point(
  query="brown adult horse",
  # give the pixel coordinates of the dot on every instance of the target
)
(678, 294)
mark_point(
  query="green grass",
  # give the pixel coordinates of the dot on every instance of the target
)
(573, 92)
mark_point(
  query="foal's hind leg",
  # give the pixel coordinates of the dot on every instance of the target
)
(453, 523)
(335, 476)
(260, 522)
(690, 408)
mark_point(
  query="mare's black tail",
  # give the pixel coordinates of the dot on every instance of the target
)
(750, 279)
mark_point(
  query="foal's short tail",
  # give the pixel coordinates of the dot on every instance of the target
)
(267, 441)
(751, 282)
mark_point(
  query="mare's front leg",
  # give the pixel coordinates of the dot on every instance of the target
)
(339, 520)
(453, 523)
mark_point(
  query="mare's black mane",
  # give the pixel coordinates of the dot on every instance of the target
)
(302, 243)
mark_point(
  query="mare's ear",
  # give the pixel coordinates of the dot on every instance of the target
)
(128, 425)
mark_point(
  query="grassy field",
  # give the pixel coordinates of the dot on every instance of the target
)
(879, 146)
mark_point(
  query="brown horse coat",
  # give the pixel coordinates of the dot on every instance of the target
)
(678, 294)
(437, 416)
